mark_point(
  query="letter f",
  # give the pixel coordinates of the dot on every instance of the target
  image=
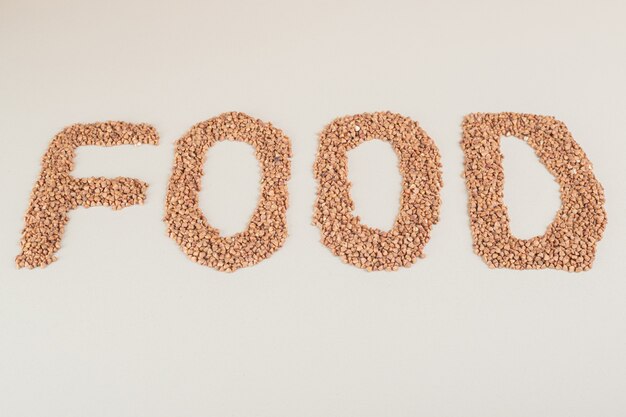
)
(57, 192)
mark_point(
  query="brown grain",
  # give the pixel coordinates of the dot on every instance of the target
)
(420, 166)
(267, 229)
(57, 192)
(570, 240)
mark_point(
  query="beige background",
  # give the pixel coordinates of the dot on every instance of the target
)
(124, 325)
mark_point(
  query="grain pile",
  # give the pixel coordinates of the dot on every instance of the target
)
(57, 192)
(267, 229)
(570, 240)
(419, 164)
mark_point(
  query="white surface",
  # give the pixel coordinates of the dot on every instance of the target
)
(123, 324)
(531, 193)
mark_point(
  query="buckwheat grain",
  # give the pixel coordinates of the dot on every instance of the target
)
(419, 163)
(570, 240)
(186, 223)
(57, 192)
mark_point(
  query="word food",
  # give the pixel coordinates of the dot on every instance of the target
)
(568, 243)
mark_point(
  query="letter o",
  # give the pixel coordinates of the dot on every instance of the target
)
(420, 166)
(186, 223)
